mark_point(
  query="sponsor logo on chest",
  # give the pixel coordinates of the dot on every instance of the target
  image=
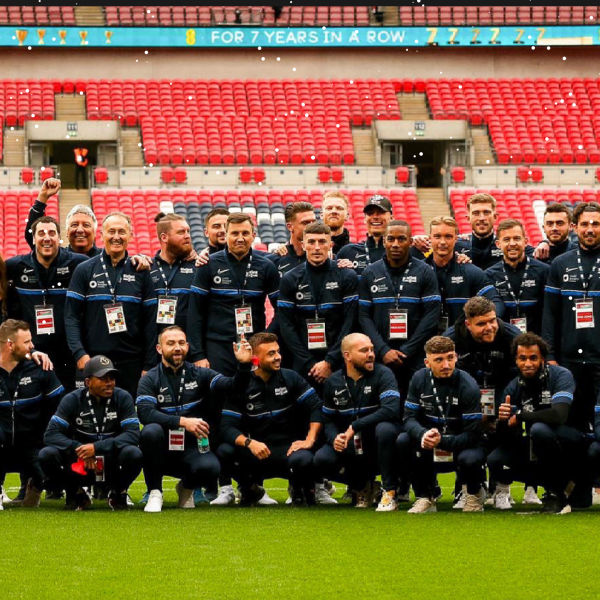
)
(129, 278)
(457, 279)
(281, 391)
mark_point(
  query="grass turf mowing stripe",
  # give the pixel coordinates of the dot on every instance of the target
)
(285, 552)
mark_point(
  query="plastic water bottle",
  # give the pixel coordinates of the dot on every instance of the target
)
(358, 447)
(203, 445)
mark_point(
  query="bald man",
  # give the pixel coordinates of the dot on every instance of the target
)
(361, 408)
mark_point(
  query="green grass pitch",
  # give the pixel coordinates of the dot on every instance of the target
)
(276, 553)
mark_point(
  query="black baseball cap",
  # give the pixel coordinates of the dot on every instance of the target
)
(99, 366)
(380, 202)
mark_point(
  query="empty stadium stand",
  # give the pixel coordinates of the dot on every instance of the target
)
(303, 16)
(529, 120)
(496, 15)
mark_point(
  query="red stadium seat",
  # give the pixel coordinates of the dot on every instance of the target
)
(457, 174)
(167, 174)
(27, 175)
(46, 173)
(100, 175)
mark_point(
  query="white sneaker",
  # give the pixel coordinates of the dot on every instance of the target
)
(474, 502)
(155, 502)
(329, 487)
(226, 496)
(531, 497)
(595, 497)
(502, 497)
(266, 500)
(423, 505)
(462, 498)
(322, 495)
(5, 498)
(186, 497)
(388, 502)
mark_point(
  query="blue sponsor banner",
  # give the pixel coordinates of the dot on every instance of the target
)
(298, 37)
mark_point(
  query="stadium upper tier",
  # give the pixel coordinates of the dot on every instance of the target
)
(267, 206)
(300, 16)
(293, 121)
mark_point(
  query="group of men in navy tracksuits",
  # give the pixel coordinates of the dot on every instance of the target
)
(401, 356)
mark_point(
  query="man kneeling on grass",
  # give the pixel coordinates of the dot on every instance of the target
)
(271, 429)
(361, 404)
(533, 438)
(442, 417)
(93, 437)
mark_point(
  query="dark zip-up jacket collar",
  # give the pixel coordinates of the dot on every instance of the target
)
(277, 411)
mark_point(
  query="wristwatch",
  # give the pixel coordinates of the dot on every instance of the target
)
(247, 442)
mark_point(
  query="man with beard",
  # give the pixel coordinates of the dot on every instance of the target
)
(172, 270)
(557, 227)
(334, 213)
(533, 440)
(442, 417)
(28, 398)
(215, 229)
(519, 279)
(228, 297)
(361, 408)
(272, 429)
(176, 403)
(571, 308)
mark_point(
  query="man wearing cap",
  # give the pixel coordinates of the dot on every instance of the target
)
(378, 213)
(28, 397)
(179, 405)
(94, 437)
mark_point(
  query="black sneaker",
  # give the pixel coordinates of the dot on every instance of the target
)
(310, 497)
(555, 503)
(79, 501)
(251, 495)
(298, 497)
(118, 500)
(54, 495)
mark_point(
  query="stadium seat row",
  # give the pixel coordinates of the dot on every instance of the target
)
(497, 15)
(194, 16)
(37, 15)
